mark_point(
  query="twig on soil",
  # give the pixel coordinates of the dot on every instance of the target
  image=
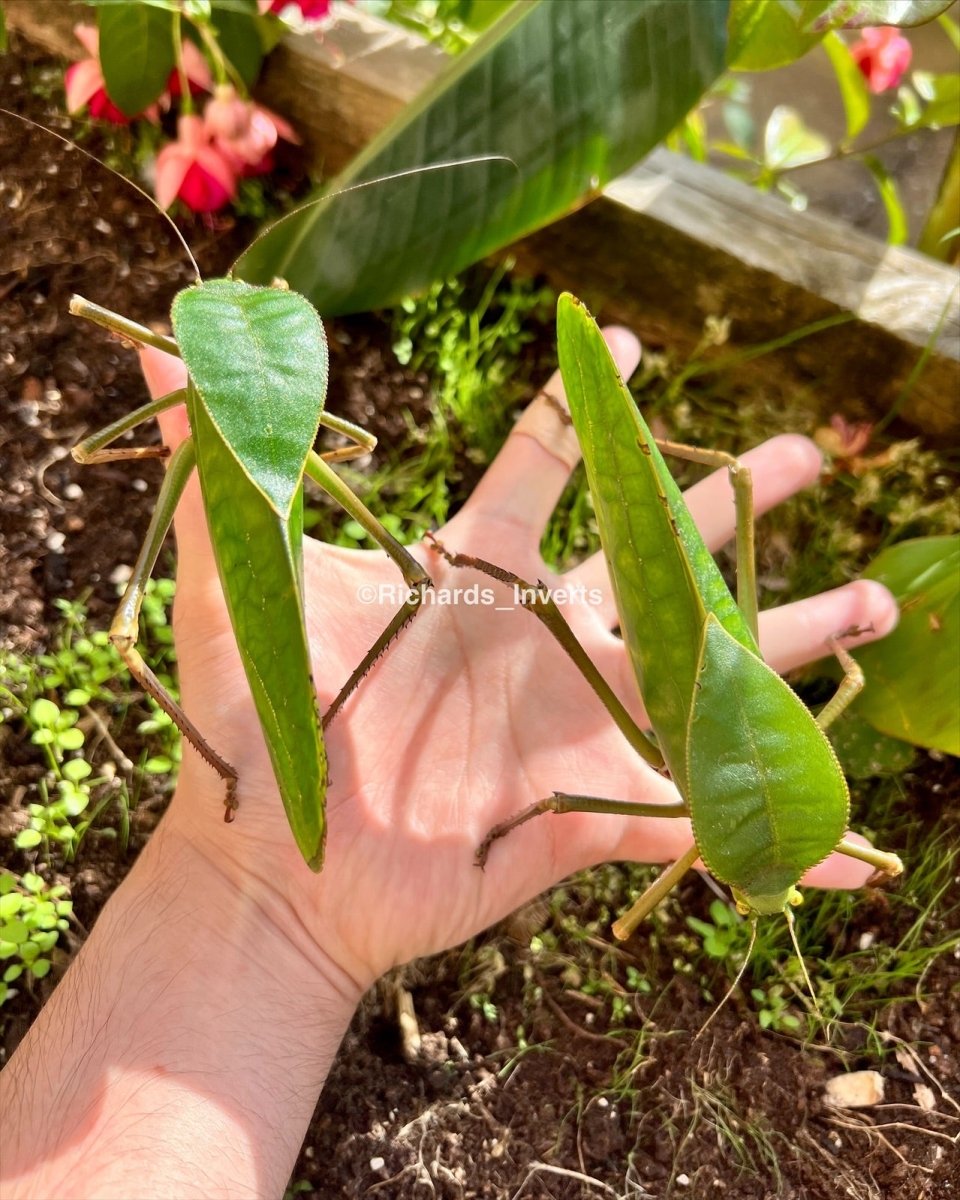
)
(537, 1167)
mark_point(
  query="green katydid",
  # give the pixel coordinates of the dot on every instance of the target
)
(256, 361)
(757, 777)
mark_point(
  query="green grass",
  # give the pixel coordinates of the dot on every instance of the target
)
(72, 705)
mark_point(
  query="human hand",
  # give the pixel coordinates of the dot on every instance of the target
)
(471, 715)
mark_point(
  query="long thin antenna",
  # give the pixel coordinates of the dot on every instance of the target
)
(356, 187)
(130, 183)
(791, 926)
(733, 986)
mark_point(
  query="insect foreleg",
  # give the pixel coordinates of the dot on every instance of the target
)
(125, 626)
(414, 576)
(122, 326)
(363, 442)
(90, 450)
(741, 480)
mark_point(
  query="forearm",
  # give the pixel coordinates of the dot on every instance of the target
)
(182, 1054)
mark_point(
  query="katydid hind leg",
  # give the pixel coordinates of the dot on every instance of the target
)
(536, 600)
(850, 686)
(414, 576)
(566, 802)
(880, 860)
(124, 629)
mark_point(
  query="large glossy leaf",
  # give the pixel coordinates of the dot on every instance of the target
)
(765, 34)
(136, 53)
(572, 92)
(913, 675)
(854, 14)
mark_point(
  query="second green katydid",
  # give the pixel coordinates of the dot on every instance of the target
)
(256, 360)
(757, 777)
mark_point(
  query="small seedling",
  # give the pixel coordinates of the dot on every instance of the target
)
(32, 916)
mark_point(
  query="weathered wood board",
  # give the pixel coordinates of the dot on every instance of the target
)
(664, 247)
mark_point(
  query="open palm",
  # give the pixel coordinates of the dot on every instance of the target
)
(471, 715)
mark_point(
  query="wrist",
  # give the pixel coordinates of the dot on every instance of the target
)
(242, 913)
(189, 1040)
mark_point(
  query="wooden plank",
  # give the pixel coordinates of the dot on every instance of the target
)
(674, 242)
(665, 247)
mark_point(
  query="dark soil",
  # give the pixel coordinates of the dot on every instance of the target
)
(588, 1109)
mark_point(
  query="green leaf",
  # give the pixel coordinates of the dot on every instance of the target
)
(26, 839)
(77, 697)
(136, 53)
(853, 87)
(913, 674)
(770, 33)
(10, 904)
(12, 973)
(942, 96)
(159, 765)
(40, 968)
(787, 142)
(237, 27)
(77, 769)
(865, 752)
(44, 713)
(15, 931)
(854, 14)
(898, 230)
(574, 93)
(70, 739)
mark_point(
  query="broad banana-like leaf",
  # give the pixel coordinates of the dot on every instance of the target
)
(913, 676)
(573, 92)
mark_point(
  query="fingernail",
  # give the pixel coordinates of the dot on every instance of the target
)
(880, 607)
(625, 348)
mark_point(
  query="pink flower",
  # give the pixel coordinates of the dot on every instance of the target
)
(245, 133)
(196, 70)
(85, 87)
(310, 10)
(194, 170)
(883, 55)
